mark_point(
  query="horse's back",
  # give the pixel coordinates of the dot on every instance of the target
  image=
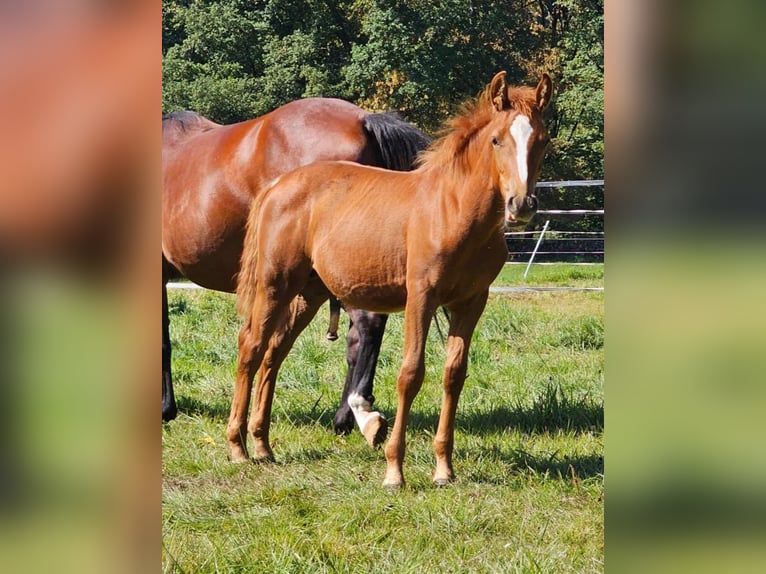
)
(317, 129)
(212, 173)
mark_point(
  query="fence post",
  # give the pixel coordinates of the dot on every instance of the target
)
(537, 245)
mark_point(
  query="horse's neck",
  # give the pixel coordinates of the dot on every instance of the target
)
(468, 195)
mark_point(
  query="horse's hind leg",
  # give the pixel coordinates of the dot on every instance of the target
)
(254, 335)
(462, 324)
(302, 309)
(363, 347)
(169, 409)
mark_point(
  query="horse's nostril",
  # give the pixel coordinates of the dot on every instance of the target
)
(522, 206)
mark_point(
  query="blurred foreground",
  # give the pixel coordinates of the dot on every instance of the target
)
(79, 227)
(685, 313)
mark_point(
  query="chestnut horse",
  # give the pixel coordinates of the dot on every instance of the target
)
(434, 238)
(211, 175)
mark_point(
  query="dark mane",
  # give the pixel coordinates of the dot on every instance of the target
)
(186, 121)
(176, 126)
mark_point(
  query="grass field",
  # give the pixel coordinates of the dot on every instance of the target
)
(528, 448)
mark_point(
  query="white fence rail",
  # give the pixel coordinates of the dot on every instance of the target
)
(590, 243)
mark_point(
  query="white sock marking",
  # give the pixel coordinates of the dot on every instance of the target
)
(361, 409)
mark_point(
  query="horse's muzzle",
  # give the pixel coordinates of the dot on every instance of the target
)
(520, 209)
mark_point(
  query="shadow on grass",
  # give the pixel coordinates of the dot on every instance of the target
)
(552, 411)
(562, 467)
(217, 410)
(552, 465)
(534, 419)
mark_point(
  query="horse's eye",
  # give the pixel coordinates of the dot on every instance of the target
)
(495, 141)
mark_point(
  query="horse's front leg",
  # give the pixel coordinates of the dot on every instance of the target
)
(417, 319)
(462, 324)
(363, 347)
(302, 309)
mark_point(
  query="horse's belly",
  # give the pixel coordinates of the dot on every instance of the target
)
(209, 260)
(387, 299)
(202, 234)
(369, 287)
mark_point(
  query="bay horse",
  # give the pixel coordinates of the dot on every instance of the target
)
(434, 238)
(211, 174)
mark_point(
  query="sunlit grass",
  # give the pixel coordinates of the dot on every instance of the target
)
(528, 454)
(560, 275)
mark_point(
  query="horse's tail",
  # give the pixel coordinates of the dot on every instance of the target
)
(398, 142)
(332, 330)
(248, 266)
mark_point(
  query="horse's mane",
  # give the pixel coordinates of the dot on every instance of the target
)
(176, 124)
(458, 132)
(185, 121)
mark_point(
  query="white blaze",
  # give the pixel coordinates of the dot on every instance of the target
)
(521, 130)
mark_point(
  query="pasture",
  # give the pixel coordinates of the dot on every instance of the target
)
(528, 448)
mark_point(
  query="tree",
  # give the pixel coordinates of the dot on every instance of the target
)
(425, 58)
(571, 36)
(212, 58)
(236, 59)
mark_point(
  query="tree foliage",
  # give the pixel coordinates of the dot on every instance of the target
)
(235, 59)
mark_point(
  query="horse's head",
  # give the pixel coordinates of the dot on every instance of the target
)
(519, 139)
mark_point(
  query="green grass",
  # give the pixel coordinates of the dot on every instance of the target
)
(560, 274)
(528, 452)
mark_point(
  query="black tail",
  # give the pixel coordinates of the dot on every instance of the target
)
(399, 142)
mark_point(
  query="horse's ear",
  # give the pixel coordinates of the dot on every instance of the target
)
(498, 92)
(543, 92)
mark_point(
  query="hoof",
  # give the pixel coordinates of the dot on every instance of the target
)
(393, 486)
(238, 458)
(394, 481)
(332, 336)
(442, 477)
(376, 430)
(263, 455)
(238, 451)
(169, 414)
(264, 459)
(343, 426)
